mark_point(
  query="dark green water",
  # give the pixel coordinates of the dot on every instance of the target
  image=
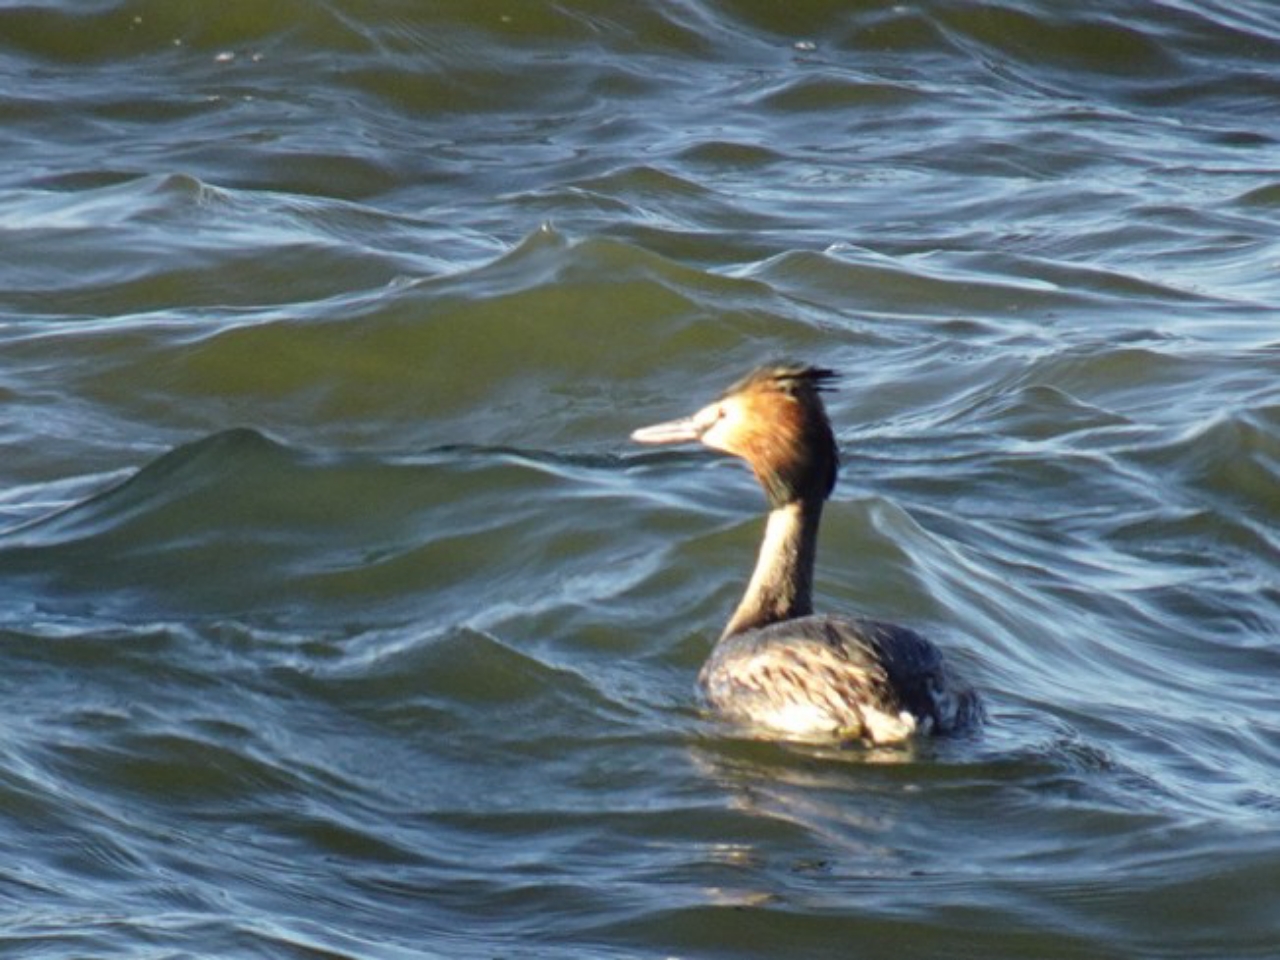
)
(339, 619)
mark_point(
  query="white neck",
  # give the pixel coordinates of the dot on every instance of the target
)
(781, 587)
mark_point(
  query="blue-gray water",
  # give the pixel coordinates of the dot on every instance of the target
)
(339, 619)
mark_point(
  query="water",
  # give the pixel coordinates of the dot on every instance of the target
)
(340, 619)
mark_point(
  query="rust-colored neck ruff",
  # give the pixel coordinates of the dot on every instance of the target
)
(781, 587)
(774, 419)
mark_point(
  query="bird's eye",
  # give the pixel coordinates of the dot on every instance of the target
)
(709, 416)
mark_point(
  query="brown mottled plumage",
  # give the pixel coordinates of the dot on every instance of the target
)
(778, 667)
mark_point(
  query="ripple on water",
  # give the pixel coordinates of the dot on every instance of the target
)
(339, 618)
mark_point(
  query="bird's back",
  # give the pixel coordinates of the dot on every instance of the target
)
(822, 677)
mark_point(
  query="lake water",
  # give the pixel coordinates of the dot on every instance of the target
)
(338, 617)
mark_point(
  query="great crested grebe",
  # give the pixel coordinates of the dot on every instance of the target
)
(779, 667)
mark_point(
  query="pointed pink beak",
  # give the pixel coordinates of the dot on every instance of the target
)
(684, 430)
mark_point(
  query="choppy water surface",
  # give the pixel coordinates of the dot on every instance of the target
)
(338, 618)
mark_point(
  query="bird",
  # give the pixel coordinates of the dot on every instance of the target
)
(779, 669)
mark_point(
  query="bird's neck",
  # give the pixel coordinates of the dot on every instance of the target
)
(781, 587)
